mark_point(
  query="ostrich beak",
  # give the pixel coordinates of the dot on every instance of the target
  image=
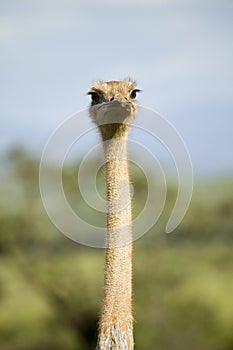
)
(115, 111)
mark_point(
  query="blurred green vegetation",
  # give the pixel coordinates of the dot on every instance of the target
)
(51, 287)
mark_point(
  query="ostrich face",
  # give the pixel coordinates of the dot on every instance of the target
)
(113, 102)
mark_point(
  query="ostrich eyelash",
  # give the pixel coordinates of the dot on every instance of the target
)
(95, 96)
(133, 93)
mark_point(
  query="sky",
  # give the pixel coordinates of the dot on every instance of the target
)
(179, 51)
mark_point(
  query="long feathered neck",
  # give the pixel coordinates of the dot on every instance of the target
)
(116, 322)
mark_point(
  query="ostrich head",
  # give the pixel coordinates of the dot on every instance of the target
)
(113, 106)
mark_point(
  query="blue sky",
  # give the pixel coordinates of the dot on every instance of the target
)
(179, 51)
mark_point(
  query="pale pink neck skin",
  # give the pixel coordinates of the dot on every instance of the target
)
(116, 323)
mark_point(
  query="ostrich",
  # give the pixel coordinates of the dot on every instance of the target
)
(113, 109)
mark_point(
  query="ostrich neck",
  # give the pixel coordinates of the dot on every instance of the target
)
(116, 323)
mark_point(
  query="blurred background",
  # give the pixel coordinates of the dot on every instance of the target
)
(181, 53)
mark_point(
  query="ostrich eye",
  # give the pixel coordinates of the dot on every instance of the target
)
(94, 97)
(133, 93)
